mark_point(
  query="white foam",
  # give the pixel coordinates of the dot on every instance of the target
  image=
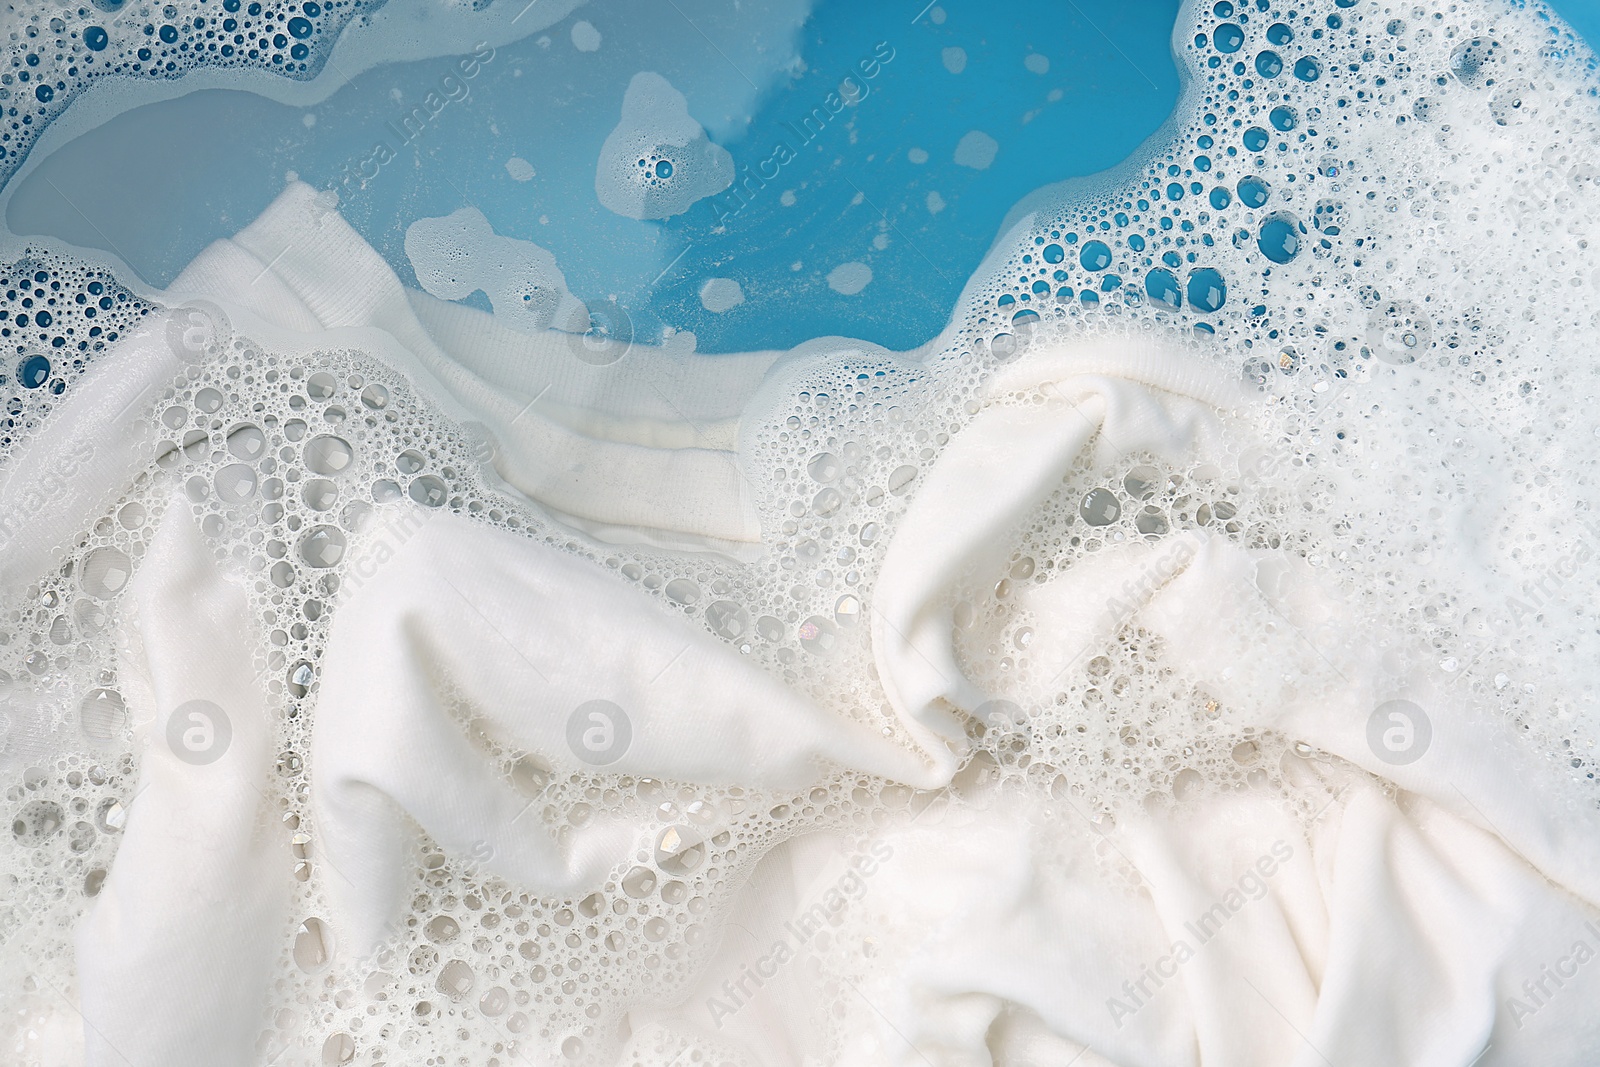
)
(848, 279)
(976, 149)
(720, 294)
(460, 253)
(1413, 459)
(585, 38)
(658, 162)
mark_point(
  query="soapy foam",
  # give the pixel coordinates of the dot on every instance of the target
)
(460, 253)
(56, 58)
(1373, 217)
(658, 161)
(226, 432)
(58, 315)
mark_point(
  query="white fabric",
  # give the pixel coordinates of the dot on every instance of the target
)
(85, 454)
(652, 396)
(663, 466)
(1399, 926)
(1404, 924)
(177, 952)
(1003, 465)
(521, 635)
(1401, 929)
(1395, 934)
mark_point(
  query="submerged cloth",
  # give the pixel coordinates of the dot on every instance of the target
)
(1435, 908)
(965, 515)
(465, 623)
(1428, 913)
(627, 446)
(89, 450)
(1394, 932)
(462, 624)
(177, 952)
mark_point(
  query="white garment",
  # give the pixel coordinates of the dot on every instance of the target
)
(1400, 929)
(1396, 933)
(966, 511)
(1403, 928)
(518, 635)
(87, 452)
(176, 954)
(653, 461)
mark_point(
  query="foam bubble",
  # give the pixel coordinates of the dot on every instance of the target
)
(460, 253)
(848, 279)
(976, 149)
(585, 38)
(1382, 233)
(658, 162)
(721, 294)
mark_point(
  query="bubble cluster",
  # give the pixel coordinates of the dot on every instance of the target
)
(658, 161)
(455, 255)
(1351, 224)
(56, 53)
(1374, 218)
(55, 316)
(295, 470)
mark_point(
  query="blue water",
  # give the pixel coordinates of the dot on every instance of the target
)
(1582, 15)
(202, 166)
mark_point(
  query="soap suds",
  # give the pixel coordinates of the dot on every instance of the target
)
(658, 162)
(1379, 227)
(848, 279)
(720, 294)
(460, 253)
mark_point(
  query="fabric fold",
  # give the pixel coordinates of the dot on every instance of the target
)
(178, 951)
(1426, 911)
(1396, 925)
(660, 396)
(1006, 462)
(679, 483)
(90, 448)
(1385, 930)
(468, 627)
